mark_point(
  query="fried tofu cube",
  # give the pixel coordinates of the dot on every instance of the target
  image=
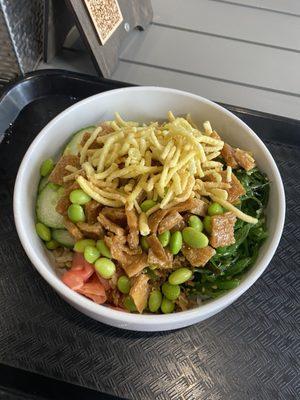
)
(222, 230)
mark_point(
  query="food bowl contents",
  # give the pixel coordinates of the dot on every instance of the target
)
(152, 218)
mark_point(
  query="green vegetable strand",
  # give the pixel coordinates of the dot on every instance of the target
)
(229, 263)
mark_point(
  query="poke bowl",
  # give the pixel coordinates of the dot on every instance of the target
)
(149, 208)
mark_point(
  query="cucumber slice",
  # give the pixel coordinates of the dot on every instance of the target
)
(63, 237)
(45, 206)
(72, 147)
(42, 184)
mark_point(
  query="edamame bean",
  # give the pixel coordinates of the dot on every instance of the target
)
(43, 231)
(195, 222)
(180, 276)
(105, 267)
(167, 306)
(81, 244)
(104, 250)
(91, 253)
(124, 284)
(76, 213)
(207, 223)
(54, 186)
(52, 244)
(129, 304)
(46, 167)
(144, 243)
(164, 238)
(147, 204)
(215, 209)
(155, 300)
(175, 243)
(78, 196)
(194, 238)
(171, 292)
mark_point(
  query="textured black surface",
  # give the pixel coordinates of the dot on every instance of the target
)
(17, 384)
(249, 351)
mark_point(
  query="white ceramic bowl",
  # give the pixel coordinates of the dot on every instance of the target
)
(141, 104)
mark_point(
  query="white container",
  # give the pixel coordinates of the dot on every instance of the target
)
(142, 104)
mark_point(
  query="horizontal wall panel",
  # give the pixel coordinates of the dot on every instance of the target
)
(262, 100)
(283, 6)
(216, 57)
(230, 20)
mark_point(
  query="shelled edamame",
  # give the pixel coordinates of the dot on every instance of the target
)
(194, 238)
(78, 196)
(105, 267)
(76, 213)
(175, 242)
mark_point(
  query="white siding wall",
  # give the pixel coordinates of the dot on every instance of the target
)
(241, 52)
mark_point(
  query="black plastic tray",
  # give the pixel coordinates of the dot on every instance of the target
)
(249, 351)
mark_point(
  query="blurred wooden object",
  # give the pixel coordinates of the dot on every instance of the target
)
(136, 14)
(106, 17)
(68, 22)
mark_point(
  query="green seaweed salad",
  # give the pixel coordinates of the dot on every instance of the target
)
(226, 267)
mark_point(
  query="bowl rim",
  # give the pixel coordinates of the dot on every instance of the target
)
(145, 319)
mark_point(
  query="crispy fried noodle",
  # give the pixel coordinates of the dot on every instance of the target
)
(167, 161)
